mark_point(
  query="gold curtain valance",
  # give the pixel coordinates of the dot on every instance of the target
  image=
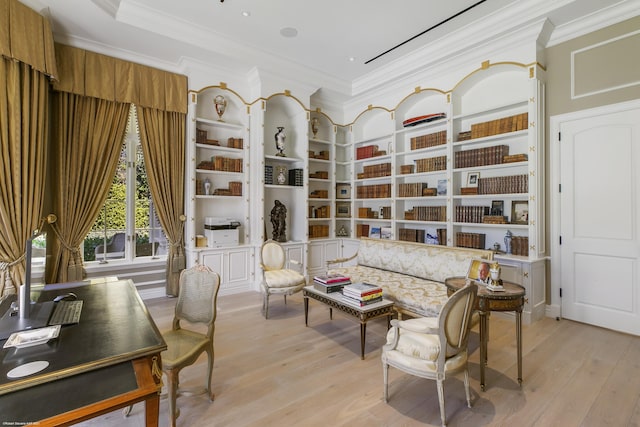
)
(26, 37)
(99, 76)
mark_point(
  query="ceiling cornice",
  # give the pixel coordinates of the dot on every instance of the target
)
(595, 21)
(518, 16)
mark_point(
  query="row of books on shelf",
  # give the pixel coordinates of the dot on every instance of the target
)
(203, 138)
(221, 163)
(421, 236)
(430, 140)
(316, 231)
(498, 126)
(379, 191)
(504, 184)
(473, 214)
(426, 213)
(368, 152)
(431, 164)
(375, 171)
(481, 156)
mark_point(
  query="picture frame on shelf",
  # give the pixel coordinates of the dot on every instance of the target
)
(385, 232)
(442, 187)
(497, 207)
(375, 233)
(343, 210)
(343, 191)
(472, 179)
(520, 212)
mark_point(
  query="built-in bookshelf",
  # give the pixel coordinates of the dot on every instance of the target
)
(467, 174)
(469, 177)
(218, 186)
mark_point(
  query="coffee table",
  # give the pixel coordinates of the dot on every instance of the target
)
(363, 314)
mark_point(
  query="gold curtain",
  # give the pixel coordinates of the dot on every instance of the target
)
(85, 148)
(162, 136)
(26, 37)
(23, 152)
(26, 62)
(162, 100)
(88, 73)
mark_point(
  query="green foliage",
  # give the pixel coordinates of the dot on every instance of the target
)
(113, 216)
(90, 243)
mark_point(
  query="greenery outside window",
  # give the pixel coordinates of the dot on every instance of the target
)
(127, 227)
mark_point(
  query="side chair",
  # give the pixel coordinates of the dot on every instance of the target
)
(195, 305)
(433, 348)
(276, 279)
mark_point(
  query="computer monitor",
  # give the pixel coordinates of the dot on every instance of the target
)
(28, 315)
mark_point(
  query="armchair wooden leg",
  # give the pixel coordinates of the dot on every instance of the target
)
(441, 400)
(385, 381)
(209, 373)
(265, 305)
(466, 387)
(172, 389)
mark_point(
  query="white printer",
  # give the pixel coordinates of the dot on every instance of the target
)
(221, 231)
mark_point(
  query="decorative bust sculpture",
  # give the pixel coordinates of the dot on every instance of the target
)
(278, 221)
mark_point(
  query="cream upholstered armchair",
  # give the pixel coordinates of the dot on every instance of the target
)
(276, 279)
(432, 347)
(197, 305)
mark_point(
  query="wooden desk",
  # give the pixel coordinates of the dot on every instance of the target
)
(511, 299)
(110, 360)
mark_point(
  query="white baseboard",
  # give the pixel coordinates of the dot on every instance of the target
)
(553, 311)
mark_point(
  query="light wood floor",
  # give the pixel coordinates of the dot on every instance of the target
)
(278, 372)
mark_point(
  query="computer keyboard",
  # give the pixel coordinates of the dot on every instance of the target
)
(66, 313)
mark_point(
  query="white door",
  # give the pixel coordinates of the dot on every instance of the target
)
(600, 219)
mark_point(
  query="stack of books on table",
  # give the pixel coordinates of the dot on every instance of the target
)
(329, 283)
(361, 294)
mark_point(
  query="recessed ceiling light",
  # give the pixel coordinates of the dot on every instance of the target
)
(245, 13)
(288, 32)
(352, 59)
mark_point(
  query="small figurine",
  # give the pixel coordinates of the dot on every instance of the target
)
(280, 137)
(507, 242)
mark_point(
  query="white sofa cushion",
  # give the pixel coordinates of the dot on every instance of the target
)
(431, 262)
(421, 296)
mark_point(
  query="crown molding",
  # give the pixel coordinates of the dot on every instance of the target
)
(109, 6)
(595, 21)
(517, 16)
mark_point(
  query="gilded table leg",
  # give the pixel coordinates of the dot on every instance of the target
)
(306, 311)
(363, 333)
(483, 346)
(519, 342)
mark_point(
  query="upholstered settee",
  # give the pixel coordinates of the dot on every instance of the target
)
(410, 274)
